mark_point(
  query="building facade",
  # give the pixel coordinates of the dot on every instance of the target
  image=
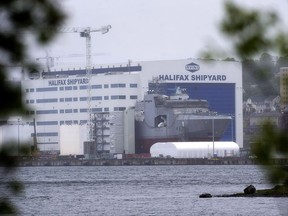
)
(284, 86)
(65, 97)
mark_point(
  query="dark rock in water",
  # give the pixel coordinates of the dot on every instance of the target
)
(277, 191)
(250, 190)
(205, 195)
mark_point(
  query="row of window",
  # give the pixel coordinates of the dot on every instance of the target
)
(49, 123)
(82, 87)
(75, 99)
(81, 110)
(54, 134)
(45, 134)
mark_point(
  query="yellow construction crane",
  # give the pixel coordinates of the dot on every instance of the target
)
(85, 32)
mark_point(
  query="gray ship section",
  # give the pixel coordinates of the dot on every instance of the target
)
(178, 118)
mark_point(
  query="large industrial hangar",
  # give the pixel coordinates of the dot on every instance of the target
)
(218, 82)
(61, 97)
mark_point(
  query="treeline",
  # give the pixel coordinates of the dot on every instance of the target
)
(260, 76)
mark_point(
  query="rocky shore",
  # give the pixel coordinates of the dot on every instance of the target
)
(277, 191)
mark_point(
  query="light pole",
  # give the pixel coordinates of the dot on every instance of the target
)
(18, 138)
(232, 128)
(213, 136)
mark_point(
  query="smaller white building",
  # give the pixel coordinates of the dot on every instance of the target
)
(17, 131)
(194, 149)
(71, 139)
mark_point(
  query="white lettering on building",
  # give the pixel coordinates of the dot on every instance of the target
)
(68, 82)
(177, 77)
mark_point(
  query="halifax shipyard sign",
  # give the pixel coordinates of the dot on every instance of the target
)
(81, 81)
(192, 67)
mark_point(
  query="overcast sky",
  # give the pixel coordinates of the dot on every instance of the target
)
(146, 29)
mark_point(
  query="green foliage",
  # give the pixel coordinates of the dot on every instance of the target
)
(249, 29)
(7, 161)
(270, 145)
(6, 207)
(259, 78)
(253, 32)
(22, 23)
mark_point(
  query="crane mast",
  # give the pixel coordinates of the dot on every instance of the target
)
(85, 32)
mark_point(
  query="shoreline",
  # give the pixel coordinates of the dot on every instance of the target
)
(277, 191)
(26, 162)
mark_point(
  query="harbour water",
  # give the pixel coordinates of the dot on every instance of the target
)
(144, 190)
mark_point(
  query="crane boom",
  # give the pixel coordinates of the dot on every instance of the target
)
(85, 32)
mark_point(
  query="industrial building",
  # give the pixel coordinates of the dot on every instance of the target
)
(63, 98)
(284, 85)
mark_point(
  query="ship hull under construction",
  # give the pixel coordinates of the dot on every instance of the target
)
(160, 120)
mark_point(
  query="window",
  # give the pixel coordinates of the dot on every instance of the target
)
(96, 86)
(97, 98)
(47, 123)
(119, 108)
(61, 111)
(133, 97)
(68, 110)
(83, 98)
(118, 85)
(46, 112)
(61, 88)
(67, 88)
(106, 97)
(68, 99)
(48, 100)
(75, 99)
(83, 110)
(31, 89)
(106, 109)
(115, 97)
(96, 109)
(83, 87)
(46, 89)
(106, 86)
(46, 134)
(75, 87)
(75, 110)
(133, 85)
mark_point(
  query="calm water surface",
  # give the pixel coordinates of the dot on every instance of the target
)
(144, 190)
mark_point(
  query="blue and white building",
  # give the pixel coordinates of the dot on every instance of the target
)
(62, 97)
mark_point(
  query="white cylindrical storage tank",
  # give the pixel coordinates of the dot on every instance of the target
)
(194, 149)
(163, 149)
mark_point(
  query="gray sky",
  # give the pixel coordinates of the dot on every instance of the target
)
(146, 29)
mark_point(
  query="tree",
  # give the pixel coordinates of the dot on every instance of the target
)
(22, 23)
(281, 62)
(259, 78)
(250, 30)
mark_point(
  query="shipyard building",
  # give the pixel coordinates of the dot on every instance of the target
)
(63, 99)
